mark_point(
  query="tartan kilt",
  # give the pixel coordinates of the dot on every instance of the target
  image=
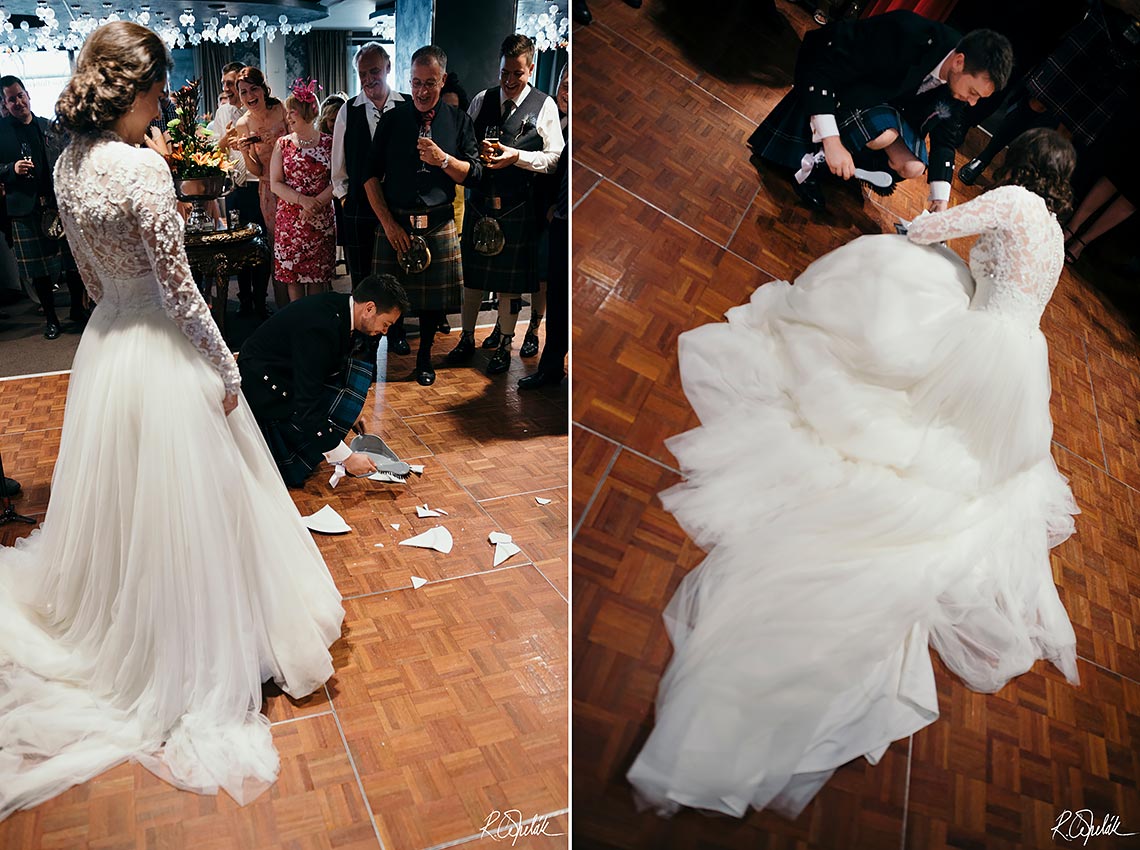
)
(36, 255)
(345, 398)
(1079, 81)
(440, 285)
(785, 135)
(514, 270)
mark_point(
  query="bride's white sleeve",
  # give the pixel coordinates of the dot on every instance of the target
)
(998, 209)
(162, 231)
(82, 259)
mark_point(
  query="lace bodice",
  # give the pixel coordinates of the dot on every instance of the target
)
(117, 204)
(1019, 253)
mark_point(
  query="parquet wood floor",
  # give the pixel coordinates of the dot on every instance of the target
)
(672, 226)
(448, 703)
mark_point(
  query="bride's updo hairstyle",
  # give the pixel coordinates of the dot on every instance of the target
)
(1042, 161)
(119, 61)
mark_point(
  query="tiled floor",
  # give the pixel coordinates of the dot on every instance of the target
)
(449, 702)
(672, 226)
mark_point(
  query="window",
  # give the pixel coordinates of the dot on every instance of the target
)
(44, 74)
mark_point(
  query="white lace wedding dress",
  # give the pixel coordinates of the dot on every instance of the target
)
(172, 574)
(871, 476)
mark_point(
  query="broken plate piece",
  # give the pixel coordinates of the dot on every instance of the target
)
(438, 538)
(326, 521)
(542, 501)
(504, 551)
(418, 582)
(417, 468)
(423, 511)
(396, 526)
(499, 537)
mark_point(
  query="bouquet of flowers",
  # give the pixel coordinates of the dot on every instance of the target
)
(193, 149)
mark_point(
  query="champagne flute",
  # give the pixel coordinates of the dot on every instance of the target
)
(425, 133)
(26, 153)
(490, 137)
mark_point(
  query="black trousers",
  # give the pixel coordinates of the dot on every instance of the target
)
(557, 300)
(359, 237)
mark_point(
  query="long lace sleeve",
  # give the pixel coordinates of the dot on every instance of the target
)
(999, 209)
(162, 231)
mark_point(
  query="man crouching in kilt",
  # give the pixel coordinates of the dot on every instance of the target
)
(306, 371)
(522, 138)
(421, 150)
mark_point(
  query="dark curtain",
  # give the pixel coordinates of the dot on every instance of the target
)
(212, 58)
(936, 10)
(328, 60)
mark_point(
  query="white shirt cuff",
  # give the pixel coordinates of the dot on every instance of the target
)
(338, 454)
(822, 127)
(939, 190)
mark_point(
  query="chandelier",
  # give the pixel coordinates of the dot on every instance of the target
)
(550, 30)
(186, 31)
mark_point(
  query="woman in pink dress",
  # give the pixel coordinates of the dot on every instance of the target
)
(257, 134)
(304, 244)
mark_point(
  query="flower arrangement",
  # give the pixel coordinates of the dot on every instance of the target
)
(193, 151)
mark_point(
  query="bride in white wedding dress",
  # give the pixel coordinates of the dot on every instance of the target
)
(172, 574)
(871, 476)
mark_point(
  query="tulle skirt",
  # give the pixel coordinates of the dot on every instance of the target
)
(171, 576)
(871, 476)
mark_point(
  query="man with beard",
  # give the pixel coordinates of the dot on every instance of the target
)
(420, 152)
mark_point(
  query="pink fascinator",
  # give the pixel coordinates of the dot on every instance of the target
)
(306, 92)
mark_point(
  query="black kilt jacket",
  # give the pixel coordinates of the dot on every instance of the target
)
(286, 362)
(857, 64)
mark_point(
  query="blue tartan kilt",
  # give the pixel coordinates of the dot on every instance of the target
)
(785, 135)
(297, 458)
(36, 255)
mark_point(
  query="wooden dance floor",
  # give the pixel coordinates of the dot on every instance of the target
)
(672, 227)
(449, 702)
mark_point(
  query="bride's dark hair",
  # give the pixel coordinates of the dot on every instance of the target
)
(118, 61)
(1042, 161)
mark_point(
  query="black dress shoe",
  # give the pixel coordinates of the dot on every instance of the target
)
(540, 379)
(462, 353)
(425, 375)
(501, 360)
(52, 331)
(444, 326)
(493, 338)
(810, 193)
(12, 487)
(970, 172)
(399, 345)
(582, 12)
(530, 344)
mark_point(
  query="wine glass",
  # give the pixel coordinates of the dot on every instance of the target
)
(26, 151)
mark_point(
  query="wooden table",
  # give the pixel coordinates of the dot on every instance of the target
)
(215, 256)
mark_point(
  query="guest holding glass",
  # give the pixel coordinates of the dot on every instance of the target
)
(420, 152)
(304, 247)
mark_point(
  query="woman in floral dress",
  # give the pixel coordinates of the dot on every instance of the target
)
(304, 246)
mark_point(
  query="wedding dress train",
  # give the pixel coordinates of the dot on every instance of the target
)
(872, 475)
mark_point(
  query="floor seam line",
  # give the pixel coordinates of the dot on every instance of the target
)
(743, 216)
(619, 443)
(588, 191)
(1109, 670)
(403, 587)
(594, 495)
(1096, 412)
(355, 770)
(906, 791)
(274, 723)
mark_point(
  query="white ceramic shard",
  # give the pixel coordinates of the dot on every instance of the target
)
(504, 551)
(438, 538)
(326, 521)
(542, 501)
(499, 537)
(418, 582)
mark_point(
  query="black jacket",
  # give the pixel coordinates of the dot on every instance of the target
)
(286, 362)
(882, 59)
(22, 193)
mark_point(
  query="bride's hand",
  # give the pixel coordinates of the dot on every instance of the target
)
(938, 206)
(157, 142)
(230, 403)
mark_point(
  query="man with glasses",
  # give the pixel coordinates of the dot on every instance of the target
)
(353, 132)
(421, 150)
(523, 122)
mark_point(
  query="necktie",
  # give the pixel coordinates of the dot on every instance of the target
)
(931, 81)
(508, 108)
